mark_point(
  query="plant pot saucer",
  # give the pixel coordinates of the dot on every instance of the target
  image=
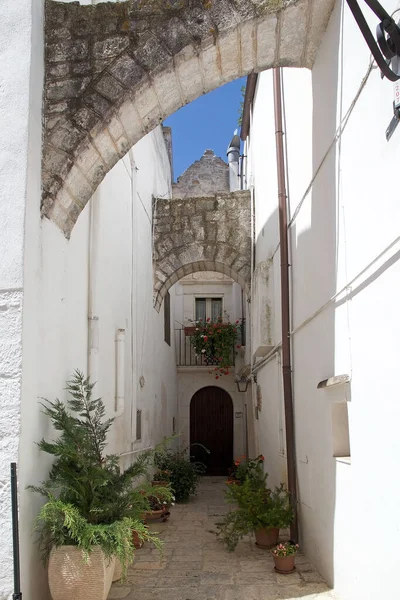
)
(285, 572)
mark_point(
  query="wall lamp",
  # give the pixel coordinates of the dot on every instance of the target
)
(243, 382)
(386, 51)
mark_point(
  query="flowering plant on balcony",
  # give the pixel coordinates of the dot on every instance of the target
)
(217, 341)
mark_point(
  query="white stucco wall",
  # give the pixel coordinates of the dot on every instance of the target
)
(21, 58)
(349, 217)
(55, 332)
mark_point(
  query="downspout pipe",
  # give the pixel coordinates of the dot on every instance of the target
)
(285, 303)
(233, 154)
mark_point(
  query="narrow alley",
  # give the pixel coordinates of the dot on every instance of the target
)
(195, 566)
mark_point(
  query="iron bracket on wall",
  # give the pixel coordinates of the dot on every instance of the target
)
(387, 46)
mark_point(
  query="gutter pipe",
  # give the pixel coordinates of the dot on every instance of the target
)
(285, 303)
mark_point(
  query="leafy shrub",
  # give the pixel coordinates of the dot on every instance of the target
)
(90, 501)
(216, 342)
(257, 508)
(183, 474)
(61, 524)
(248, 467)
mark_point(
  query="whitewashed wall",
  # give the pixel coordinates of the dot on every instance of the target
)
(56, 322)
(21, 73)
(347, 220)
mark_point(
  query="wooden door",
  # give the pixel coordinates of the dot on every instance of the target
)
(211, 424)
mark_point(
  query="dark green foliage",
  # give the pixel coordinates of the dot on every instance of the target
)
(90, 501)
(258, 507)
(81, 475)
(183, 474)
(61, 524)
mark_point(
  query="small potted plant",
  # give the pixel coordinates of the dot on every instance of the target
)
(246, 467)
(259, 509)
(284, 557)
(159, 499)
(161, 478)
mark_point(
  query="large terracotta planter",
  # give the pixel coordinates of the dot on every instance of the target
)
(117, 570)
(267, 538)
(71, 577)
(284, 564)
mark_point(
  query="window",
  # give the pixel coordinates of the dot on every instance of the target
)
(138, 424)
(208, 308)
(167, 319)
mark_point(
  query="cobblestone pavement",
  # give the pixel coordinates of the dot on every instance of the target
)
(195, 566)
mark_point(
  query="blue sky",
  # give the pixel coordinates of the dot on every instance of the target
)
(206, 123)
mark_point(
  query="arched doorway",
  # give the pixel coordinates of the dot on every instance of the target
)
(211, 424)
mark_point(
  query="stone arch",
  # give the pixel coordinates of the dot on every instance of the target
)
(201, 234)
(194, 267)
(115, 71)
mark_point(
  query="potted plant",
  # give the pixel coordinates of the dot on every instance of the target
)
(91, 485)
(246, 467)
(184, 474)
(161, 478)
(159, 500)
(81, 556)
(259, 510)
(284, 557)
(217, 341)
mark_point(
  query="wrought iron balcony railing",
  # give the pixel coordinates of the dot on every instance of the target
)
(186, 355)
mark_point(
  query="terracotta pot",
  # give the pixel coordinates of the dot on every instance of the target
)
(160, 483)
(267, 538)
(137, 542)
(284, 564)
(234, 481)
(70, 576)
(153, 515)
(190, 330)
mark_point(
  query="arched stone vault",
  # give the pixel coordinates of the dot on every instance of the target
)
(114, 71)
(201, 234)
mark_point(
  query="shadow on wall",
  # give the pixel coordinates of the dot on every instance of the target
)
(313, 257)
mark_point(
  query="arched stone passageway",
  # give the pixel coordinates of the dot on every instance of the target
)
(201, 234)
(115, 71)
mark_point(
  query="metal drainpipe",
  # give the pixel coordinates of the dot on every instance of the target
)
(285, 304)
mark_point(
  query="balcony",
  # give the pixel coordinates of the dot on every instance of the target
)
(186, 355)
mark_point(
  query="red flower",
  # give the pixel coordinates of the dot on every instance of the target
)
(208, 319)
(261, 457)
(237, 322)
(205, 338)
(237, 463)
(226, 372)
(217, 377)
(238, 346)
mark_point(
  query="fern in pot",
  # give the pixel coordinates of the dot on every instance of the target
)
(92, 507)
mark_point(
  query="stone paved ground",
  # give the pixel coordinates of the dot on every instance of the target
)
(196, 567)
